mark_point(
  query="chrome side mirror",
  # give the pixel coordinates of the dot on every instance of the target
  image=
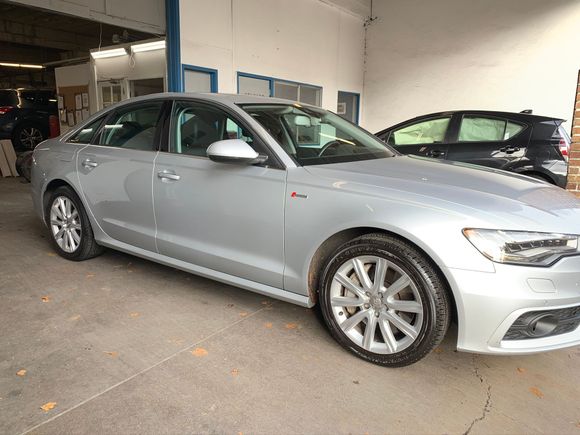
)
(234, 151)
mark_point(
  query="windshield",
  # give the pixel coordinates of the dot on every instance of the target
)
(314, 136)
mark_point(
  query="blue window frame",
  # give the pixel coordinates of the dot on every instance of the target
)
(273, 81)
(213, 75)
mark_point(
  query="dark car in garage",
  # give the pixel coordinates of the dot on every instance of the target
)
(25, 116)
(528, 144)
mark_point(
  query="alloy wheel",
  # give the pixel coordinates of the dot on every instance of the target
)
(30, 137)
(376, 304)
(65, 224)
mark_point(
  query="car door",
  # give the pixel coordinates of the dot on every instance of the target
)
(427, 137)
(487, 140)
(221, 216)
(115, 173)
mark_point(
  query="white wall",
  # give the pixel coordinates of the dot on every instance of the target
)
(511, 55)
(146, 16)
(303, 40)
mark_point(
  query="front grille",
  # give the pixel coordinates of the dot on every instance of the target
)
(525, 327)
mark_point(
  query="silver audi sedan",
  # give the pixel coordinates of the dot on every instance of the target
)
(294, 202)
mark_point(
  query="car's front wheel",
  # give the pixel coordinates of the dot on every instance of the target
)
(70, 229)
(383, 300)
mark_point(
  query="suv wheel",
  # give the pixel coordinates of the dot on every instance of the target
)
(26, 137)
(383, 300)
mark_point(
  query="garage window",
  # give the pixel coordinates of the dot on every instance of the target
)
(424, 132)
(482, 129)
(271, 87)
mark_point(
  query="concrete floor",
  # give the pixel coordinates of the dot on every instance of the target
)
(123, 345)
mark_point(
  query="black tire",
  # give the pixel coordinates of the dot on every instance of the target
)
(436, 310)
(19, 130)
(24, 164)
(88, 247)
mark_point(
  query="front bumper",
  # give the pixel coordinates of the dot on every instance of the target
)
(489, 304)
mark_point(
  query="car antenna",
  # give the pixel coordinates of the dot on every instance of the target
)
(527, 111)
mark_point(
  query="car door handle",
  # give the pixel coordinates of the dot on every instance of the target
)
(509, 150)
(435, 153)
(167, 175)
(88, 163)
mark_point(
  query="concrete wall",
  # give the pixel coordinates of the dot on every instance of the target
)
(303, 40)
(482, 54)
(146, 16)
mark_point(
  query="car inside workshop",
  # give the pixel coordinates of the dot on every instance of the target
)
(274, 217)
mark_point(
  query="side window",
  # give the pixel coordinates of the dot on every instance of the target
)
(195, 127)
(86, 134)
(133, 127)
(482, 129)
(423, 132)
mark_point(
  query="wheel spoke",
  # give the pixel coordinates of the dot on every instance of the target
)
(387, 334)
(398, 285)
(380, 272)
(362, 274)
(75, 226)
(406, 306)
(342, 301)
(369, 336)
(349, 285)
(353, 320)
(76, 237)
(62, 207)
(59, 233)
(67, 205)
(56, 209)
(57, 222)
(74, 214)
(401, 325)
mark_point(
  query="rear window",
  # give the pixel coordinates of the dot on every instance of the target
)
(8, 98)
(482, 129)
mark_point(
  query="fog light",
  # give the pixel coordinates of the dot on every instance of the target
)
(542, 325)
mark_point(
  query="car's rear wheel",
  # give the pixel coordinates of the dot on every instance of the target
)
(27, 136)
(383, 300)
(70, 228)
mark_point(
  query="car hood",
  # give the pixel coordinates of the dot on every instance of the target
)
(495, 196)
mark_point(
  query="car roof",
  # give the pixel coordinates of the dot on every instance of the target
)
(224, 98)
(510, 115)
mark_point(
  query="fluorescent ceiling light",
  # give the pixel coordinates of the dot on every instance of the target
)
(108, 53)
(148, 46)
(20, 65)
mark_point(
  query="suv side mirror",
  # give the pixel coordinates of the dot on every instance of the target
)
(234, 151)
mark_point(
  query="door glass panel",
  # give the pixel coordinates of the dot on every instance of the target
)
(196, 81)
(253, 86)
(310, 95)
(133, 127)
(146, 87)
(347, 106)
(424, 132)
(196, 127)
(512, 129)
(85, 135)
(116, 93)
(288, 91)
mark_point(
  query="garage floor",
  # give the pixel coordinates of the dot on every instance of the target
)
(119, 344)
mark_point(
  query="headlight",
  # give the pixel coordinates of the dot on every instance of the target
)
(522, 247)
